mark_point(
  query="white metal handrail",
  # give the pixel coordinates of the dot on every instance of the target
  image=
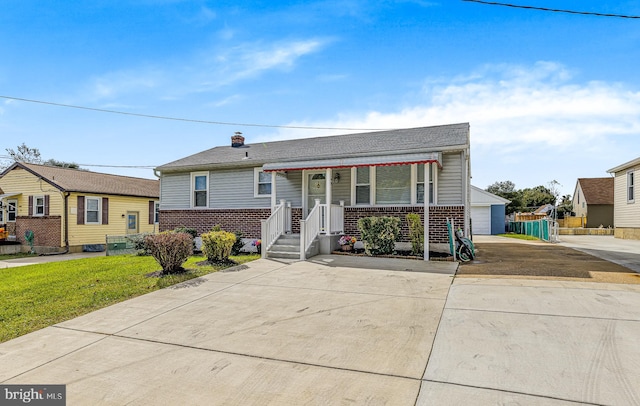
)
(273, 227)
(309, 230)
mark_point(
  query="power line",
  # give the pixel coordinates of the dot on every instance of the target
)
(191, 120)
(493, 3)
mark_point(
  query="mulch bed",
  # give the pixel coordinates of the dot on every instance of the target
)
(433, 256)
(549, 261)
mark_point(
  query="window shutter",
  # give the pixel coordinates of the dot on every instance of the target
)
(30, 205)
(46, 205)
(105, 210)
(80, 210)
(152, 212)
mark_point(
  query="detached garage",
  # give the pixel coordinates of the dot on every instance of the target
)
(487, 212)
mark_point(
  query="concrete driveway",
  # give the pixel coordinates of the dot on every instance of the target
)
(616, 250)
(341, 330)
(334, 330)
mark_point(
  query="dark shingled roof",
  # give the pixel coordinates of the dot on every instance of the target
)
(74, 180)
(597, 190)
(422, 139)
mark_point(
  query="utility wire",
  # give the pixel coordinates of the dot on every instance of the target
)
(493, 3)
(192, 120)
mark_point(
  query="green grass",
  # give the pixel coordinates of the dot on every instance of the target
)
(37, 296)
(17, 255)
(520, 237)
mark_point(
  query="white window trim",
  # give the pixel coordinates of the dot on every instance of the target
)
(35, 211)
(632, 187)
(15, 204)
(414, 188)
(256, 183)
(192, 190)
(86, 209)
(156, 212)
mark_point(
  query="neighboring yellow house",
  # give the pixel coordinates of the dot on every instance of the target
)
(70, 209)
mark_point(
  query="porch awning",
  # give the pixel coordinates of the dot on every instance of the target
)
(384, 160)
(8, 195)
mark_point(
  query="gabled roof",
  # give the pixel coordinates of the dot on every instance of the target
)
(597, 190)
(480, 197)
(625, 165)
(392, 142)
(74, 180)
(544, 209)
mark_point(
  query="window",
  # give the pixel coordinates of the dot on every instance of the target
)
(38, 205)
(420, 184)
(92, 210)
(12, 210)
(393, 184)
(156, 216)
(199, 189)
(363, 185)
(262, 183)
(630, 187)
(1, 213)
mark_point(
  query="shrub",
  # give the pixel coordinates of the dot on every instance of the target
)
(416, 233)
(217, 245)
(139, 244)
(237, 246)
(191, 231)
(379, 234)
(170, 249)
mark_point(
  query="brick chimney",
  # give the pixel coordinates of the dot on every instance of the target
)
(237, 140)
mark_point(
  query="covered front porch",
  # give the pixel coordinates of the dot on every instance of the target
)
(330, 186)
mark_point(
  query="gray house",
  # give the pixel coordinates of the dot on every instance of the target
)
(299, 195)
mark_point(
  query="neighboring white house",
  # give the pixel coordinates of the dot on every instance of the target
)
(487, 212)
(626, 200)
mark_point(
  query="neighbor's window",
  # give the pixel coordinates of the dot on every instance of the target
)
(1, 213)
(12, 210)
(199, 189)
(363, 185)
(156, 216)
(262, 183)
(92, 210)
(393, 184)
(630, 186)
(38, 205)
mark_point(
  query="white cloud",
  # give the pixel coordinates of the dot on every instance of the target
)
(535, 121)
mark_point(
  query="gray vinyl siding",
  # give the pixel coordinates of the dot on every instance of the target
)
(451, 180)
(175, 191)
(289, 188)
(342, 189)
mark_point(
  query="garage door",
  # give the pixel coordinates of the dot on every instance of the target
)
(481, 220)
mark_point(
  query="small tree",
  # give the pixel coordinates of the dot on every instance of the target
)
(416, 233)
(170, 249)
(379, 234)
(217, 245)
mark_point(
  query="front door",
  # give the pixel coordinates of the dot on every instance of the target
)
(132, 222)
(316, 189)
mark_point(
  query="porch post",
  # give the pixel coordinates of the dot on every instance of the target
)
(427, 170)
(328, 182)
(273, 190)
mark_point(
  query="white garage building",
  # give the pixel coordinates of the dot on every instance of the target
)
(487, 212)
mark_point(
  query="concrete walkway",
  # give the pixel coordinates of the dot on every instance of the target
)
(346, 330)
(41, 259)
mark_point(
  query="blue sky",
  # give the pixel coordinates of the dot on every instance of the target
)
(549, 96)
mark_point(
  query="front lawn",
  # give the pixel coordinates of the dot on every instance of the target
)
(37, 296)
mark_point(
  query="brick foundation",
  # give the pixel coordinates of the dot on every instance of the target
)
(46, 230)
(247, 221)
(437, 219)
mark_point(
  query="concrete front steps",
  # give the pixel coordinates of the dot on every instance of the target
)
(287, 247)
